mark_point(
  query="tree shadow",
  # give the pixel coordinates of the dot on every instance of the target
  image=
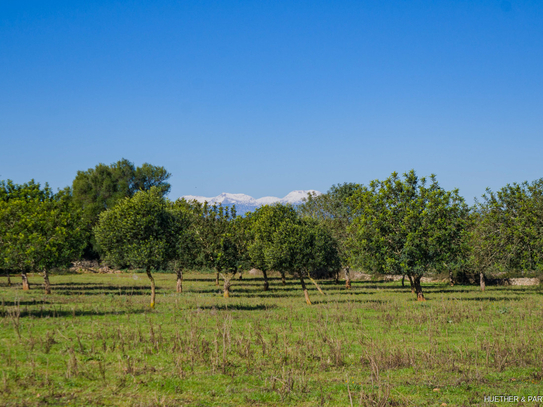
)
(237, 307)
(490, 299)
(359, 301)
(63, 313)
(74, 289)
(14, 303)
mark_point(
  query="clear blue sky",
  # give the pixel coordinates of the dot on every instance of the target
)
(264, 97)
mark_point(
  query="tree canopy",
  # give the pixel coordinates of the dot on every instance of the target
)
(507, 231)
(140, 232)
(39, 230)
(409, 227)
(102, 187)
(335, 210)
(302, 247)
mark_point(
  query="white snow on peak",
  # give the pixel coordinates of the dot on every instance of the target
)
(246, 203)
(197, 198)
(267, 200)
(296, 197)
(233, 198)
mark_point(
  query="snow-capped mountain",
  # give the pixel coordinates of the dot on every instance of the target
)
(245, 203)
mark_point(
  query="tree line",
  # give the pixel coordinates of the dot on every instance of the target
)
(405, 225)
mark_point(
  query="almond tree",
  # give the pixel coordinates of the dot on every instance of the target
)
(264, 223)
(12, 244)
(335, 211)
(211, 223)
(302, 247)
(187, 249)
(409, 227)
(231, 253)
(507, 231)
(39, 230)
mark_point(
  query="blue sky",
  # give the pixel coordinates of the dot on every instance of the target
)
(264, 97)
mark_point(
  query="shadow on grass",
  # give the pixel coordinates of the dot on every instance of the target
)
(71, 289)
(237, 307)
(63, 313)
(25, 303)
(489, 299)
(358, 301)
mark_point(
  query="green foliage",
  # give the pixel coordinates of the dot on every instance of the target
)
(102, 187)
(140, 232)
(335, 211)
(39, 230)
(508, 228)
(302, 247)
(216, 232)
(187, 248)
(408, 226)
(28, 191)
(264, 224)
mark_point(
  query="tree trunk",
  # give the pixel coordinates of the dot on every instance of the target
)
(337, 276)
(412, 284)
(26, 286)
(451, 278)
(226, 287)
(482, 280)
(347, 278)
(418, 289)
(316, 285)
(283, 280)
(46, 284)
(306, 293)
(217, 278)
(403, 280)
(179, 273)
(153, 290)
(266, 284)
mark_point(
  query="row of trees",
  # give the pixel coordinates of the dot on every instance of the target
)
(402, 225)
(413, 227)
(149, 232)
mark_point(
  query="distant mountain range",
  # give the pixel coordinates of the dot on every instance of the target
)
(245, 203)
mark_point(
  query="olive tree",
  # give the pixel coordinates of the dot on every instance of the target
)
(409, 226)
(140, 232)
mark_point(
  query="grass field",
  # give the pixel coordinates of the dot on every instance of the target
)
(95, 342)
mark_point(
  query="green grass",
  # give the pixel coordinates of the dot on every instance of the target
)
(95, 341)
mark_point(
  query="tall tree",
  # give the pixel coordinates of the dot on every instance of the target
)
(140, 232)
(102, 187)
(335, 211)
(409, 226)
